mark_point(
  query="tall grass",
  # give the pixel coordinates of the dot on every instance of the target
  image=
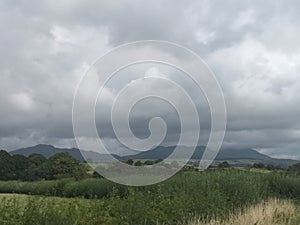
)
(204, 195)
(88, 188)
(50, 188)
(271, 212)
(34, 210)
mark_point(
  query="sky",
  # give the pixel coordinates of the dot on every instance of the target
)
(251, 46)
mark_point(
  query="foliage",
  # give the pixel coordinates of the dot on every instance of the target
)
(130, 161)
(37, 167)
(223, 165)
(7, 166)
(64, 165)
(138, 163)
(21, 209)
(148, 162)
(295, 168)
(267, 167)
(186, 195)
(271, 212)
(92, 188)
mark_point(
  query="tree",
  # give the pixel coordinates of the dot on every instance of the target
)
(37, 159)
(130, 162)
(294, 168)
(7, 166)
(24, 168)
(223, 165)
(273, 167)
(148, 162)
(138, 163)
(38, 170)
(37, 167)
(258, 165)
(64, 165)
(45, 171)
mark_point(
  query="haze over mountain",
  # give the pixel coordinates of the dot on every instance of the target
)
(236, 157)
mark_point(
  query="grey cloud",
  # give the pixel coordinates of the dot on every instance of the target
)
(252, 46)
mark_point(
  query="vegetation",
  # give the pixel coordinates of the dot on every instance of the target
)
(202, 195)
(24, 209)
(295, 168)
(212, 195)
(271, 212)
(140, 163)
(33, 210)
(37, 167)
(223, 165)
(267, 167)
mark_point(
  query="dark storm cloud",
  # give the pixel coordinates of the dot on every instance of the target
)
(252, 46)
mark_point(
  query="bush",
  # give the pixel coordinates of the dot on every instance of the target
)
(54, 188)
(92, 188)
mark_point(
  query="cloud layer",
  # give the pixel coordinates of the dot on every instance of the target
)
(252, 46)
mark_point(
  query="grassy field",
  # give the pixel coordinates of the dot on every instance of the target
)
(212, 195)
(271, 212)
(25, 209)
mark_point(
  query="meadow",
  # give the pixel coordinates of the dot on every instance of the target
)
(202, 196)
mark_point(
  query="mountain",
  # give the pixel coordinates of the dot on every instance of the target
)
(49, 150)
(224, 154)
(236, 157)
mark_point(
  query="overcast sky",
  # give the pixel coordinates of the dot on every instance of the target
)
(252, 47)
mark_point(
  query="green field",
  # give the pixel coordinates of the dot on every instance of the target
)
(203, 195)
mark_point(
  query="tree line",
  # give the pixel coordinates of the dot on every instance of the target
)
(62, 165)
(37, 167)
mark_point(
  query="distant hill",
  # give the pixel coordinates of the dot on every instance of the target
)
(224, 154)
(236, 157)
(49, 150)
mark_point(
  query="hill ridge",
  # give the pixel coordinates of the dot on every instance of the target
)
(240, 157)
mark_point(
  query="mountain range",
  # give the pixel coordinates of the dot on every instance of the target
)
(236, 157)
